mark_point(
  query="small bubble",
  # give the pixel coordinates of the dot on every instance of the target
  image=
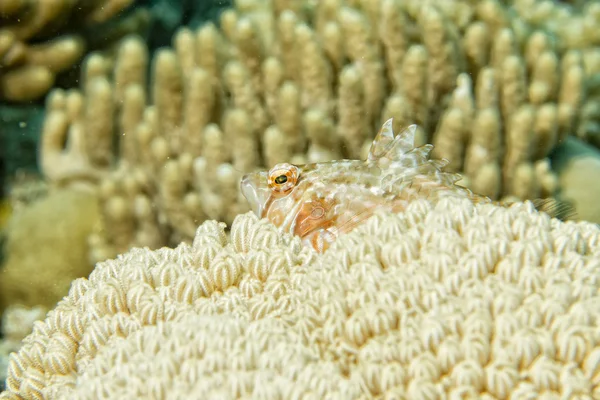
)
(22, 124)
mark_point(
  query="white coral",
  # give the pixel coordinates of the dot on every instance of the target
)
(446, 301)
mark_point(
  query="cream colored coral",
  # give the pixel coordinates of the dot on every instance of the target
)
(577, 164)
(306, 81)
(442, 301)
(29, 66)
(17, 322)
(56, 226)
(76, 135)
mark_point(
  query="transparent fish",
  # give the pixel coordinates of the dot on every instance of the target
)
(319, 202)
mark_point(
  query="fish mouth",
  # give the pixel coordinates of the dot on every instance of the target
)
(257, 196)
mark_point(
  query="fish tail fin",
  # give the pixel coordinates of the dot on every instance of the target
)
(555, 208)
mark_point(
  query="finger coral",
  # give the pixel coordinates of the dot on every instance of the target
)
(494, 87)
(41, 38)
(454, 300)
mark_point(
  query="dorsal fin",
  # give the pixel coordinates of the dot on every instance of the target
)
(441, 163)
(385, 145)
(453, 177)
(423, 151)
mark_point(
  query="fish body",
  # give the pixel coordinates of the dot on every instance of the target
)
(321, 201)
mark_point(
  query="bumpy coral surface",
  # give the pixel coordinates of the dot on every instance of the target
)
(448, 301)
(17, 322)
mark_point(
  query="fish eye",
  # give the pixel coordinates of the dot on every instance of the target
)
(283, 177)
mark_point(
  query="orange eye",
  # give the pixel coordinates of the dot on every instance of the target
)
(283, 177)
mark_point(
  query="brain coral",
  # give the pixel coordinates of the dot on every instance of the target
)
(443, 301)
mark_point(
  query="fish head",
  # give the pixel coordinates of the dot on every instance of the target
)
(272, 194)
(254, 188)
(299, 198)
(279, 190)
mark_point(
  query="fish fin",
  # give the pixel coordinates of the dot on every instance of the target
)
(440, 164)
(355, 220)
(382, 141)
(555, 208)
(386, 145)
(422, 151)
(453, 177)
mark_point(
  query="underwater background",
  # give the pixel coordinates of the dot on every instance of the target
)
(128, 123)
